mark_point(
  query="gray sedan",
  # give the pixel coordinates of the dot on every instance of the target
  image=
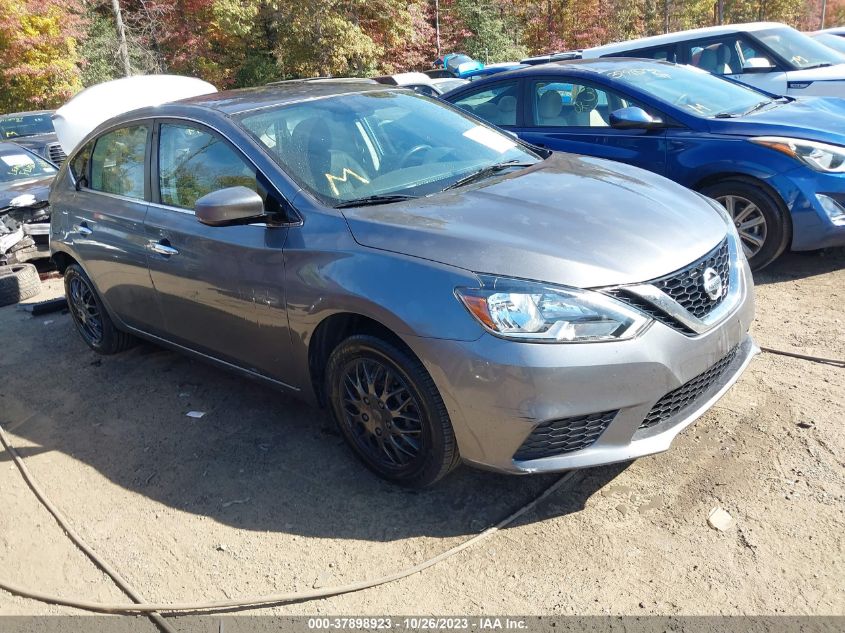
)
(449, 293)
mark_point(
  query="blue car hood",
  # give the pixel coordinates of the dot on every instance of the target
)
(809, 118)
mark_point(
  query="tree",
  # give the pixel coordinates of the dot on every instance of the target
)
(39, 66)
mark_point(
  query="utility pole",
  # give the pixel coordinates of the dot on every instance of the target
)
(437, 24)
(122, 50)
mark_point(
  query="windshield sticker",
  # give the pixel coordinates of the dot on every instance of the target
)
(344, 178)
(627, 73)
(489, 138)
(16, 160)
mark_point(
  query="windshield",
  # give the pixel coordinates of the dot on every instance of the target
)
(17, 164)
(25, 125)
(831, 41)
(694, 91)
(798, 49)
(379, 143)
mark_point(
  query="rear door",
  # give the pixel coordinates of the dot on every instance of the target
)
(104, 222)
(221, 288)
(569, 114)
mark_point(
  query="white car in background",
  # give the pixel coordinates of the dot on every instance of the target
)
(766, 55)
(422, 83)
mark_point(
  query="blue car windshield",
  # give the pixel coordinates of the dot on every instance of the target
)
(379, 143)
(694, 91)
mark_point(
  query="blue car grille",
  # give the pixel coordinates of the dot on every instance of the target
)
(564, 435)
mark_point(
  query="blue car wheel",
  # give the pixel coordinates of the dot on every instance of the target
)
(760, 219)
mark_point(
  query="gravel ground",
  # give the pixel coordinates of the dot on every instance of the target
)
(260, 495)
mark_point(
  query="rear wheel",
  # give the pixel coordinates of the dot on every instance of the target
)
(763, 225)
(90, 317)
(390, 412)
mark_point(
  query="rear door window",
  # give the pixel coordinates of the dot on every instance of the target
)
(496, 104)
(117, 162)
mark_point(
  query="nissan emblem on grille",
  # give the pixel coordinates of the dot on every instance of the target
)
(712, 283)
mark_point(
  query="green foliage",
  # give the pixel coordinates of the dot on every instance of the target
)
(50, 48)
(39, 66)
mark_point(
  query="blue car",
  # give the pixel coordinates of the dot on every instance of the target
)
(776, 163)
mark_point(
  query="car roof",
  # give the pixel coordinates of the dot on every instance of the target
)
(26, 113)
(233, 102)
(682, 36)
(581, 67)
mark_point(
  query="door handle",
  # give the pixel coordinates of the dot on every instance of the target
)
(82, 229)
(163, 248)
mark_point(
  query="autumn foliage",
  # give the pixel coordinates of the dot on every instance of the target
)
(49, 49)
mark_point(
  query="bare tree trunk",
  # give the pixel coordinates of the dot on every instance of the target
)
(824, 10)
(437, 24)
(665, 16)
(123, 51)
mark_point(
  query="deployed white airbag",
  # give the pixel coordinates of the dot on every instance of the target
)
(97, 104)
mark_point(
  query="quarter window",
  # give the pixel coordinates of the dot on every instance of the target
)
(193, 163)
(496, 105)
(117, 162)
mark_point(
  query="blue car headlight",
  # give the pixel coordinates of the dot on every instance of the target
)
(819, 156)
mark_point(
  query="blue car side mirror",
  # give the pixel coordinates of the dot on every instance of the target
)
(633, 117)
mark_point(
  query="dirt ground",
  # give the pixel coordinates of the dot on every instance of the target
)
(260, 495)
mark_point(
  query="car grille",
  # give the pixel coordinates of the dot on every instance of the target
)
(55, 153)
(565, 435)
(687, 394)
(685, 286)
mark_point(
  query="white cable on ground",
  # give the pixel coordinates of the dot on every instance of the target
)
(76, 538)
(239, 603)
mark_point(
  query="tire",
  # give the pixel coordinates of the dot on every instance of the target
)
(397, 424)
(18, 282)
(775, 233)
(90, 317)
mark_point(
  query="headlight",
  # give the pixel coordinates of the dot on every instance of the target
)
(818, 156)
(530, 311)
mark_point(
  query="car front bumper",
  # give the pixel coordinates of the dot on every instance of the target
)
(498, 391)
(812, 226)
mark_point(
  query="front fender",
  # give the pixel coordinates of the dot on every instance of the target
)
(327, 272)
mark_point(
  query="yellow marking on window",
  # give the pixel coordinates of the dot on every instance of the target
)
(344, 178)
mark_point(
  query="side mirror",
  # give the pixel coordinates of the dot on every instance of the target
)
(757, 65)
(229, 206)
(633, 117)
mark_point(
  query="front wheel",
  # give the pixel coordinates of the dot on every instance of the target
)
(763, 225)
(390, 412)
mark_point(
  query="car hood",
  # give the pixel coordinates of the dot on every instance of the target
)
(36, 140)
(570, 220)
(38, 187)
(826, 73)
(810, 118)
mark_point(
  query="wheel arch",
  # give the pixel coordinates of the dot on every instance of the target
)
(333, 330)
(716, 178)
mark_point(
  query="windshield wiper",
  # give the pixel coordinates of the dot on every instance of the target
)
(371, 200)
(486, 172)
(821, 65)
(759, 106)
